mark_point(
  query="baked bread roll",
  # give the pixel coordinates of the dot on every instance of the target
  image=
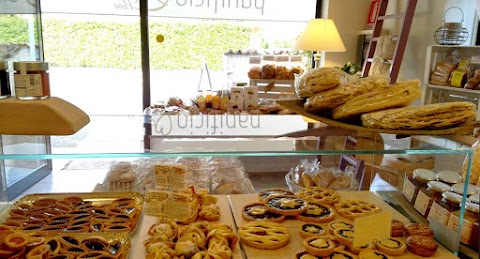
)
(330, 99)
(397, 95)
(430, 116)
(321, 79)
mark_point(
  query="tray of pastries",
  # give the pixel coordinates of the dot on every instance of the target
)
(114, 212)
(324, 230)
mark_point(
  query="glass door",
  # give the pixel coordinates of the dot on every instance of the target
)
(209, 46)
(95, 55)
(20, 40)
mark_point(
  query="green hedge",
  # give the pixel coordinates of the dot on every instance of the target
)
(117, 45)
(13, 29)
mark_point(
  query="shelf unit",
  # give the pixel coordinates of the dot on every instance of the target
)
(439, 93)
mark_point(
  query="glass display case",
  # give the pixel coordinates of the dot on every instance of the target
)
(237, 167)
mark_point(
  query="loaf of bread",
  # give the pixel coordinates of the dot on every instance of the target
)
(400, 94)
(475, 171)
(320, 79)
(430, 116)
(330, 99)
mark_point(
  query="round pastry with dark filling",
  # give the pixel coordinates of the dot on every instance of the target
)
(311, 229)
(263, 195)
(372, 254)
(391, 246)
(258, 211)
(338, 225)
(287, 205)
(340, 254)
(318, 213)
(319, 246)
(306, 255)
(344, 236)
(357, 250)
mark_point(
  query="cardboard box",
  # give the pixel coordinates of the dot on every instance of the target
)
(236, 105)
(236, 94)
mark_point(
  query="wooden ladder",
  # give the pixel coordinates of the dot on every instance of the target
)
(401, 39)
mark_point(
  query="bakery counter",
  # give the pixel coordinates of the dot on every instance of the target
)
(237, 202)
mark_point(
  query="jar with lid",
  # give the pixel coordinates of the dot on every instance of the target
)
(31, 80)
(449, 177)
(470, 217)
(475, 198)
(5, 91)
(441, 209)
(428, 194)
(459, 188)
(474, 239)
(413, 183)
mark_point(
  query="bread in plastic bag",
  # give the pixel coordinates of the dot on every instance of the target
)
(320, 79)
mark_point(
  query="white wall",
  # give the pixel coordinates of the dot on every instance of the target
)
(350, 17)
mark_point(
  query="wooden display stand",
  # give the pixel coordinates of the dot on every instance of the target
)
(52, 116)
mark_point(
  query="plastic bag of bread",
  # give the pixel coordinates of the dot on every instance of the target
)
(442, 71)
(320, 79)
(330, 99)
(475, 170)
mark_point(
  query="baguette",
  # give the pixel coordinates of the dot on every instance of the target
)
(400, 94)
(330, 99)
(430, 116)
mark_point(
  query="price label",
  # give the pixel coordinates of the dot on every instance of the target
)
(375, 227)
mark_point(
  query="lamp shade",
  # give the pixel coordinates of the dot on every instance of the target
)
(320, 35)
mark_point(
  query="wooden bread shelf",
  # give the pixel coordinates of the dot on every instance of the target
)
(52, 116)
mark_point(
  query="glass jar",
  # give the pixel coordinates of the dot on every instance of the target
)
(442, 208)
(413, 183)
(458, 188)
(449, 177)
(5, 91)
(428, 194)
(31, 80)
(471, 216)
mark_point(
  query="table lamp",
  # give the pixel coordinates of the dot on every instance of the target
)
(320, 35)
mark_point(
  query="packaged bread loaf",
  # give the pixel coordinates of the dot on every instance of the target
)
(330, 99)
(397, 95)
(320, 79)
(430, 116)
(475, 170)
(442, 71)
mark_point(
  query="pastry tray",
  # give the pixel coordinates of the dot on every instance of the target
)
(297, 107)
(98, 199)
